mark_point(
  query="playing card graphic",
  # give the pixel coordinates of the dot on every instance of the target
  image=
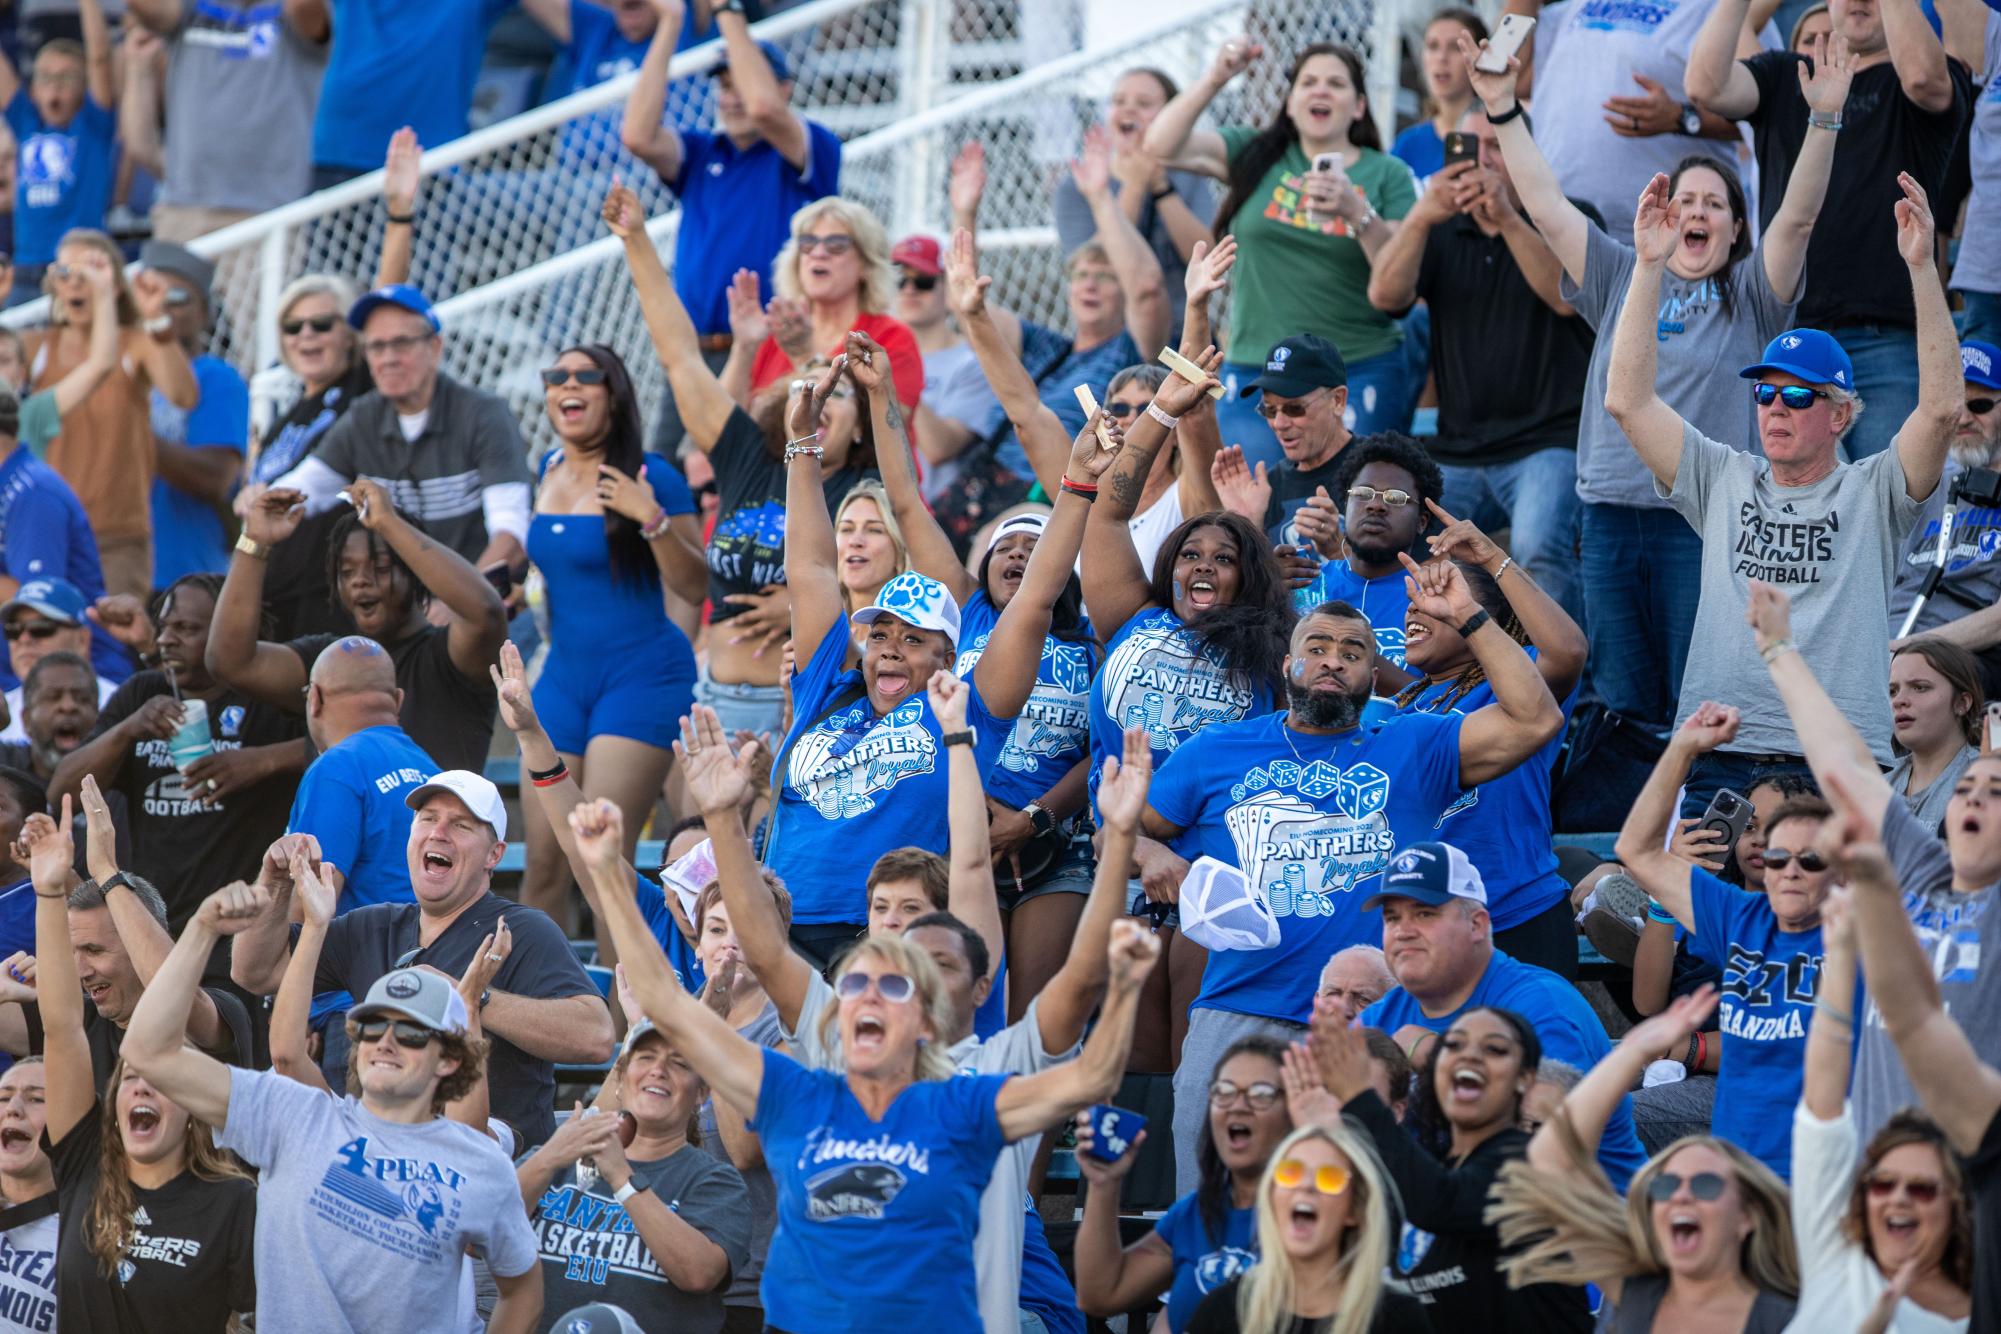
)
(845, 763)
(1299, 856)
(1159, 680)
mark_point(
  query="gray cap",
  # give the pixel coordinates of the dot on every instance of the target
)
(180, 261)
(597, 1318)
(421, 997)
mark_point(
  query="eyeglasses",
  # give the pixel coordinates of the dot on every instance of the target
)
(1777, 859)
(36, 630)
(1703, 1185)
(557, 376)
(317, 323)
(64, 79)
(892, 987)
(395, 347)
(1922, 1190)
(1124, 410)
(1980, 407)
(1268, 409)
(409, 1036)
(916, 282)
(1261, 1097)
(1798, 397)
(1328, 1179)
(1396, 500)
(836, 244)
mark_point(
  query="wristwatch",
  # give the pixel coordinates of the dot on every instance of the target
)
(964, 738)
(1690, 119)
(1040, 818)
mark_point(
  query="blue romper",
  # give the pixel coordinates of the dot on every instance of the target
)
(616, 666)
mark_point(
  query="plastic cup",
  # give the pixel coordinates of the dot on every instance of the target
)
(191, 740)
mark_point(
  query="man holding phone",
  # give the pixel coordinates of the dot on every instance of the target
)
(1509, 355)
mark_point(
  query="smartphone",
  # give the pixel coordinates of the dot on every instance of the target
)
(1729, 815)
(1993, 726)
(1330, 164)
(501, 578)
(1506, 41)
(1461, 147)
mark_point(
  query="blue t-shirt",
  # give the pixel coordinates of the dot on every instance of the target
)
(875, 1217)
(1202, 1262)
(1058, 367)
(736, 213)
(351, 800)
(1503, 825)
(1384, 601)
(1311, 821)
(1054, 729)
(1421, 150)
(1045, 1288)
(17, 918)
(1770, 979)
(44, 534)
(1565, 1022)
(393, 63)
(62, 175)
(856, 785)
(188, 536)
(598, 53)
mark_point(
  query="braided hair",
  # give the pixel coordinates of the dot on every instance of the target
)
(1471, 677)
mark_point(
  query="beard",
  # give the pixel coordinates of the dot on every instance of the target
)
(1976, 452)
(1335, 712)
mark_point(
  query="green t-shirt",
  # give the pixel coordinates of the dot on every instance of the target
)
(40, 422)
(1297, 276)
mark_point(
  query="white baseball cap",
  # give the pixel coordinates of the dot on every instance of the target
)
(481, 797)
(917, 599)
(1222, 910)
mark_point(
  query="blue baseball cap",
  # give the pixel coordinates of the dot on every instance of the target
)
(395, 294)
(1808, 353)
(1433, 873)
(781, 69)
(1981, 363)
(57, 599)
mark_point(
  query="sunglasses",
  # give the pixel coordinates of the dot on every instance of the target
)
(409, 1036)
(1703, 1185)
(1329, 1179)
(1124, 410)
(557, 376)
(1268, 410)
(892, 987)
(1396, 500)
(1798, 397)
(317, 323)
(1260, 1096)
(1980, 407)
(1779, 859)
(37, 630)
(179, 296)
(1922, 1190)
(836, 244)
(916, 282)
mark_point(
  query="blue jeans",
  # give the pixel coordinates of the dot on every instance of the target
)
(1535, 499)
(1980, 322)
(1642, 580)
(1379, 398)
(1886, 375)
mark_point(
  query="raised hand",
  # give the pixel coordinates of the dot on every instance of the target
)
(486, 962)
(1132, 953)
(720, 990)
(1438, 590)
(124, 618)
(627, 496)
(276, 870)
(373, 506)
(748, 325)
(599, 827)
(50, 851)
(1243, 489)
(628, 1002)
(1094, 1169)
(949, 696)
(17, 978)
(399, 172)
(1710, 726)
(1670, 1029)
(719, 778)
(317, 897)
(274, 515)
(1209, 268)
(1341, 1054)
(1307, 1098)
(791, 327)
(149, 293)
(1837, 919)
(1462, 540)
(1123, 787)
(1657, 222)
(802, 411)
(100, 851)
(1092, 169)
(1769, 613)
(1096, 448)
(868, 364)
(1826, 89)
(968, 180)
(1177, 395)
(1495, 91)
(1319, 522)
(1915, 228)
(510, 683)
(965, 287)
(1233, 58)
(233, 908)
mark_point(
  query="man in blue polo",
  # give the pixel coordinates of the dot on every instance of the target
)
(738, 189)
(1440, 948)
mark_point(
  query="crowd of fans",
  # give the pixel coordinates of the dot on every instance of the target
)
(1171, 712)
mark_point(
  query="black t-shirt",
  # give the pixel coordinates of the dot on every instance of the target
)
(1292, 487)
(1853, 272)
(1983, 1177)
(1510, 370)
(364, 944)
(1448, 1255)
(747, 549)
(106, 1038)
(1395, 1314)
(296, 596)
(445, 711)
(189, 848)
(191, 1260)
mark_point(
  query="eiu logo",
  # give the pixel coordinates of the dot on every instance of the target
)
(853, 1190)
(1218, 1267)
(1412, 1248)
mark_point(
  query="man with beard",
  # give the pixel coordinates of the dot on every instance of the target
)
(1966, 607)
(1311, 806)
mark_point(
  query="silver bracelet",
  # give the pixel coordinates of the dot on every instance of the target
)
(1832, 124)
(1506, 561)
(804, 445)
(1772, 652)
(1154, 411)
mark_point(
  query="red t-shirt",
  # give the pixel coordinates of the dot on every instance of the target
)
(906, 363)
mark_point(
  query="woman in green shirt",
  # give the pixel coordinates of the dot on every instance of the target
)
(1305, 236)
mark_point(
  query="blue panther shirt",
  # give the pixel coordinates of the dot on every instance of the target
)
(1054, 729)
(875, 1217)
(1311, 821)
(1202, 1262)
(1770, 979)
(856, 785)
(1383, 601)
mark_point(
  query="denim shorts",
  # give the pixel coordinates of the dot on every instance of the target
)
(743, 707)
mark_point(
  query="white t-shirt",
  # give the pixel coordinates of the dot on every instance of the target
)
(17, 710)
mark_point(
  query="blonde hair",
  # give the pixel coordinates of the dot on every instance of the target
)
(871, 247)
(1265, 1294)
(1572, 1227)
(875, 491)
(108, 1226)
(91, 238)
(933, 1062)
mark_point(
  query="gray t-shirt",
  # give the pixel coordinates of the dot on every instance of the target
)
(1928, 804)
(1961, 935)
(1972, 562)
(233, 65)
(1979, 266)
(1074, 226)
(592, 1250)
(364, 1223)
(1832, 545)
(765, 1031)
(1706, 333)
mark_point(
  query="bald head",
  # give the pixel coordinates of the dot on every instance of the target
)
(355, 665)
(1352, 981)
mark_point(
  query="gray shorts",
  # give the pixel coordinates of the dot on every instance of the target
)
(1210, 1033)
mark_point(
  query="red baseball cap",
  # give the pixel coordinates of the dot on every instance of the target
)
(918, 252)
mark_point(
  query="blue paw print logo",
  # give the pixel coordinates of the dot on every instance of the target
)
(910, 594)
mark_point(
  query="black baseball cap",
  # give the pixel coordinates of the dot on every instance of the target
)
(1298, 365)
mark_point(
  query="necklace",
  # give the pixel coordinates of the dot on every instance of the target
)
(1285, 729)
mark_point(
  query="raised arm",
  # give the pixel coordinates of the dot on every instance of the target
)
(931, 552)
(1112, 1277)
(400, 180)
(72, 1087)
(267, 672)
(1559, 644)
(1786, 239)
(97, 51)
(970, 895)
(764, 99)
(817, 601)
(1643, 840)
(1563, 225)
(258, 954)
(1918, 56)
(704, 404)
(1826, 736)
(995, 336)
(1922, 443)
(291, 1009)
(1715, 79)
(479, 620)
(1824, 1088)
(1141, 281)
(1393, 272)
(1591, 1104)
(142, 54)
(1655, 429)
(162, 357)
(1173, 137)
(642, 132)
(81, 382)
